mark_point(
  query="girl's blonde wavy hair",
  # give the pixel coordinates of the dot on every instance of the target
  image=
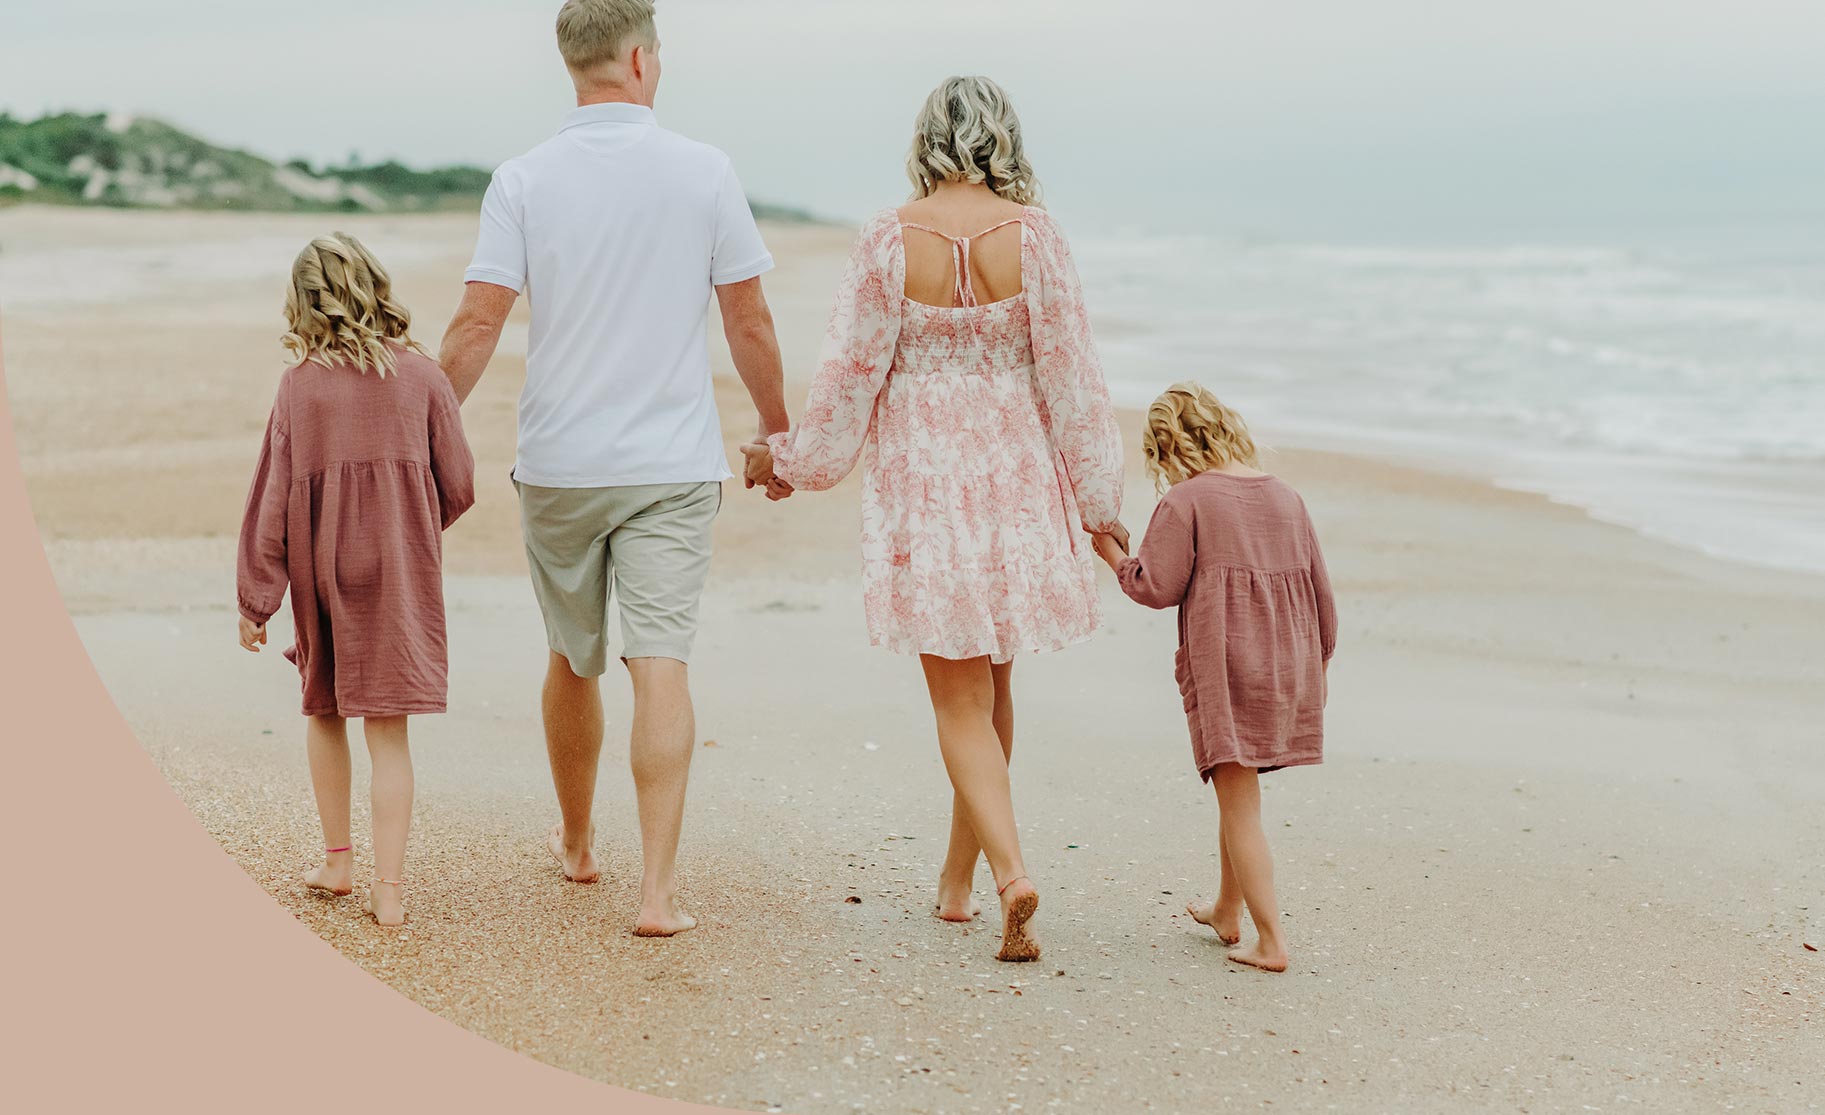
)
(340, 307)
(968, 132)
(1189, 431)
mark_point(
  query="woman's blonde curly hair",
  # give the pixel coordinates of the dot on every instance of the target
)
(1189, 431)
(340, 307)
(968, 132)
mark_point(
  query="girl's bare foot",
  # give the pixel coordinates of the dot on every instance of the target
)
(1019, 902)
(956, 904)
(335, 875)
(1226, 923)
(663, 919)
(387, 902)
(1260, 955)
(578, 866)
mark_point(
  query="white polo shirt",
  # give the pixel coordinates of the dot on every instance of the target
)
(617, 230)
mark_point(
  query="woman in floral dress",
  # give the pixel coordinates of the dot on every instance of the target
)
(959, 363)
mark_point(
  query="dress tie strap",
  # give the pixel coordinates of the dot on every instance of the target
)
(964, 290)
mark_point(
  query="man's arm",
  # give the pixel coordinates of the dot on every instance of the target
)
(473, 334)
(748, 324)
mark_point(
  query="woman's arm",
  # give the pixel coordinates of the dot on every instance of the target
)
(1158, 575)
(858, 352)
(1073, 396)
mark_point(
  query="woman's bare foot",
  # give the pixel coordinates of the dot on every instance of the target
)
(387, 903)
(663, 919)
(1019, 902)
(1226, 923)
(1261, 955)
(956, 904)
(578, 866)
(335, 875)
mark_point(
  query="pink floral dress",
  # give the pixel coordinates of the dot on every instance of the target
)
(990, 441)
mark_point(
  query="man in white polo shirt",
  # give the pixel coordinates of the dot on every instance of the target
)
(618, 231)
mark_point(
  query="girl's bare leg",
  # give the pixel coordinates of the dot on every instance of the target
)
(1239, 800)
(392, 802)
(1225, 914)
(957, 880)
(327, 741)
(963, 701)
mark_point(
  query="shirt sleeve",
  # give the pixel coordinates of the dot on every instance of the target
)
(738, 252)
(858, 353)
(1073, 395)
(1160, 571)
(500, 246)
(260, 562)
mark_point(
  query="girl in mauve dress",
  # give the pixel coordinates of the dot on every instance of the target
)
(1233, 549)
(959, 365)
(363, 467)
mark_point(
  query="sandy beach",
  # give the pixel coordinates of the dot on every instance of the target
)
(1565, 852)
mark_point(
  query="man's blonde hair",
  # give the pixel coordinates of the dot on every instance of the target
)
(967, 131)
(593, 33)
(1189, 431)
(340, 307)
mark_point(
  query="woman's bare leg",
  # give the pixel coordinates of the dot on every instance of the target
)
(1239, 800)
(392, 801)
(957, 880)
(1225, 914)
(963, 701)
(327, 741)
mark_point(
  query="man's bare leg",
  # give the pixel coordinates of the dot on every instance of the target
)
(572, 709)
(664, 735)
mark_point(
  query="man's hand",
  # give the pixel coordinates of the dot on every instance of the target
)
(759, 471)
(253, 635)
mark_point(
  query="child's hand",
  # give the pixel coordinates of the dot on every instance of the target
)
(1109, 549)
(253, 635)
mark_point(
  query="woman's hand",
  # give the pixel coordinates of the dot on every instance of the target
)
(1110, 549)
(759, 471)
(253, 635)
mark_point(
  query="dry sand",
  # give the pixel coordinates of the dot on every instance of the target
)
(1563, 855)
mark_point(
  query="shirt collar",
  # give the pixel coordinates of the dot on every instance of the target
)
(614, 112)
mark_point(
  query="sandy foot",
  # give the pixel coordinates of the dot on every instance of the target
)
(578, 867)
(334, 876)
(1018, 905)
(663, 921)
(958, 907)
(386, 902)
(1259, 956)
(1226, 923)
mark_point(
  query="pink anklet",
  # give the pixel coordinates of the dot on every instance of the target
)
(333, 851)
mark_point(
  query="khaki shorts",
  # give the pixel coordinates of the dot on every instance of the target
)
(647, 544)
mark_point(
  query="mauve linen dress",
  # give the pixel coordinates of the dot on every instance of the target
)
(358, 477)
(1257, 623)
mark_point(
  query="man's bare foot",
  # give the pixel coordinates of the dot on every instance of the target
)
(958, 905)
(662, 919)
(578, 866)
(1259, 955)
(1226, 923)
(387, 903)
(1019, 902)
(335, 875)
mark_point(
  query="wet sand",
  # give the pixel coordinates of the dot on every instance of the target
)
(1564, 852)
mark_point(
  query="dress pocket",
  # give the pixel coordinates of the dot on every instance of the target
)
(1181, 670)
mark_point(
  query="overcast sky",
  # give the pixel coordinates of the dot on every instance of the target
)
(1328, 118)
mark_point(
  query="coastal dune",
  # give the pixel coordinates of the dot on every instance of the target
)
(1564, 853)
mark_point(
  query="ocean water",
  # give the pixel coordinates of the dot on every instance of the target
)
(1675, 386)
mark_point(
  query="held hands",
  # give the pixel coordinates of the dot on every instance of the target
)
(253, 635)
(1112, 545)
(759, 471)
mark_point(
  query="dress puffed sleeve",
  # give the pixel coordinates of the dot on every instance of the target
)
(859, 344)
(260, 562)
(1160, 571)
(452, 465)
(1073, 396)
